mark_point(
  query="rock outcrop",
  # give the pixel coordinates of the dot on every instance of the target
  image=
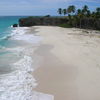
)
(15, 25)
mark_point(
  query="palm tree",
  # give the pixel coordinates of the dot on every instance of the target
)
(85, 9)
(93, 14)
(79, 11)
(85, 13)
(98, 10)
(80, 16)
(71, 9)
(60, 11)
(88, 13)
(97, 14)
(64, 11)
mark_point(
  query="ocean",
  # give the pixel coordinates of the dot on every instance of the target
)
(5, 32)
(16, 62)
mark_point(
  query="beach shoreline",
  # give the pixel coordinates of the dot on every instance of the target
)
(16, 79)
(69, 66)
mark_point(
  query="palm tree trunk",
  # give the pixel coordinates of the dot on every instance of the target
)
(80, 23)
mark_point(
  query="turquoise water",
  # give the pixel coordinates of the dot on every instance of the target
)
(5, 31)
(5, 24)
(17, 62)
(5, 43)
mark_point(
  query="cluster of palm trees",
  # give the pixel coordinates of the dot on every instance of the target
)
(69, 10)
(80, 16)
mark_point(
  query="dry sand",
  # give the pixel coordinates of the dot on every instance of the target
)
(70, 63)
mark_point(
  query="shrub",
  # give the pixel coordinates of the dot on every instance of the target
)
(65, 25)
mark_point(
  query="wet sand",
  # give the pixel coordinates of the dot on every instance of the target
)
(69, 67)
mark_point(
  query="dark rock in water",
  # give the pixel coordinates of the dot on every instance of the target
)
(15, 25)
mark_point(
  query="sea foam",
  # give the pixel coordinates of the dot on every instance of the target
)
(19, 34)
(19, 84)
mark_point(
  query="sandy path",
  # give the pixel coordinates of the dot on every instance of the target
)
(70, 64)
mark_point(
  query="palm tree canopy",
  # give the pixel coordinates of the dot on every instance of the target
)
(88, 13)
(71, 9)
(83, 18)
(85, 9)
(79, 11)
(98, 9)
(64, 11)
(60, 11)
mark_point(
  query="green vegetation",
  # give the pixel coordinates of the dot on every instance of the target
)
(60, 11)
(45, 20)
(81, 18)
(72, 17)
(65, 25)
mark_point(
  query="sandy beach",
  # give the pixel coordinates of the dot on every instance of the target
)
(69, 63)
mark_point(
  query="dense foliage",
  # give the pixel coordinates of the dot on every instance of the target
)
(82, 18)
(46, 20)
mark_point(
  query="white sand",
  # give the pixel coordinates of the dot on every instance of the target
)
(70, 63)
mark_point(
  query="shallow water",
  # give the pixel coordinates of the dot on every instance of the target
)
(16, 65)
(16, 82)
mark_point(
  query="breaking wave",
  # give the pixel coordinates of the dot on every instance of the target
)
(19, 84)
